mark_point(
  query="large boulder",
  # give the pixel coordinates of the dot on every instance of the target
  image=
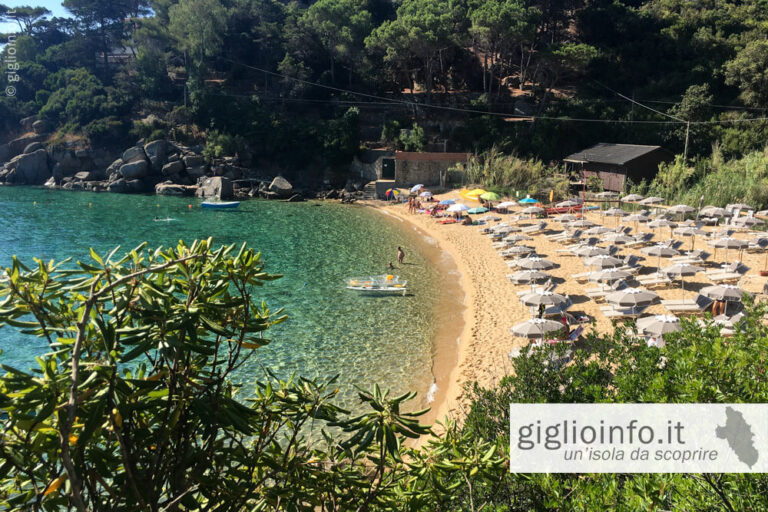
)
(66, 159)
(5, 153)
(27, 123)
(16, 146)
(135, 187)
(134, 170)
(31, 148)
(89, 176)
(32, 168)
(157, 152)
(40, 127)
(194, 161)
(118, 186)
(173, 189)
(216, 187)
(281, 187)
(197, 172)
(172, 168)
(134, 154)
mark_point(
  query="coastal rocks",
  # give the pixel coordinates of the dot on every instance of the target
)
(40, 127)
(197, 172)
(296, 198)
(17, 146)
(27, 123)
(216, 187)
(134, 170)
(89, 176)
(134, 154)
(5, 153)
(31, 148)
(66, 160)
(157, 152)
(192, 161)
(118, 186)
(32, 168)
(172, 189)
(281, 187)
(172, 168)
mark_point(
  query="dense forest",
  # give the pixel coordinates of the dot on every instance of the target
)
(299, 83)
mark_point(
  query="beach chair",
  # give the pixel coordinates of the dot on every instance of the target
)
(732, 272)
(656, 279)
(697, 256)
(619, 313)
(598, 294)
(641, 239)
(546, 286)
(534, 228)
(699, 305)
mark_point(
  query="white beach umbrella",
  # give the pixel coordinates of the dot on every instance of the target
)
(632, 297)
(713, 211)
(619, 239)
(728, 243)
(608, 275)
(659, 325)
(532, 210)
(518, 250)
(682, 270)
(637, 217)
(590, 251)
(426, 194)
(615, 212)
(582, 223)
(747, 221)
(458, 207)
(536, 263)
(679, 209)
(544, 298)
(567, 204)
(416, 188)
(690, 231)
(632, 198)
(659, 250)
(505, 205)
(598, 230)
(652, 200)
(529, 276)
(739, 206)
(536, 328)
(565, 218)
(603, 261)
(726, 292)
(662, 223)
(517, 238)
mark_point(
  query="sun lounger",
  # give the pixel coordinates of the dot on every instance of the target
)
(619, 312)
(641, 239)
(534, 228)
(725, 277)
(654, 280)
(699, 305)
(697, 256)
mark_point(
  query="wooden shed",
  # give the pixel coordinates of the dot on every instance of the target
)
(615, 163)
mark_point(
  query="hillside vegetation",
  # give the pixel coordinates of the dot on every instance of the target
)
(283, 79)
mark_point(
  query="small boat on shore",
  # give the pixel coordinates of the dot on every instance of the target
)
(214, 205)
(378, 285)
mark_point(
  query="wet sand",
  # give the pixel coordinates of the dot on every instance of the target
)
(491, 305)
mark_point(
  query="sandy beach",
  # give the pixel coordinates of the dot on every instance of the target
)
(492, 307)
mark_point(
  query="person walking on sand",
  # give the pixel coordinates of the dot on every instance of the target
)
(390, 266)
(400, 255)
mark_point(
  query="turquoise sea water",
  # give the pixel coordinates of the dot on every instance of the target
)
(316, 245)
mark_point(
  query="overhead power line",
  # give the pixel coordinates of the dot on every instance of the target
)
(674, 120)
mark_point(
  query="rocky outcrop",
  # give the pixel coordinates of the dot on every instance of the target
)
(173, 189)
(217, 187)
(134, 154)
(40, 127)
(281, 187)
(157, 153)
(135, 170)
(172, 168)
(32, 168)
(31, 148)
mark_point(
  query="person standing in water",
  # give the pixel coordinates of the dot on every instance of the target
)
(400, 255)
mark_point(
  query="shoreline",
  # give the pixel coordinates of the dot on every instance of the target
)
(449, 337)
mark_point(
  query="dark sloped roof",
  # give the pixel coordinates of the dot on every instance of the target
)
(608, 153)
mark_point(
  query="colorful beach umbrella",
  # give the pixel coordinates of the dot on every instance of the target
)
(447, 201)
(391, 192)
(490, 196)
(528, 200)
(478, 209)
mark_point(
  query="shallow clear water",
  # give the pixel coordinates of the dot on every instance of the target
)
(330, 330)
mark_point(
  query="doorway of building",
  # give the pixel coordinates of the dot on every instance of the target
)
(388, 169)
